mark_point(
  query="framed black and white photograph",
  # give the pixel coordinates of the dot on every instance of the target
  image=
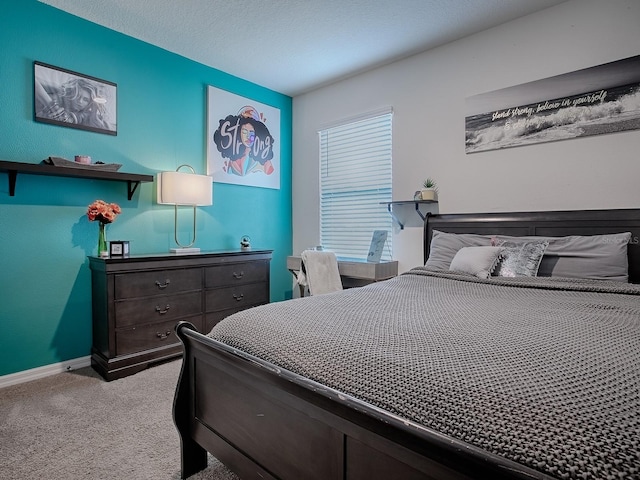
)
(592, 101)
(71, 99)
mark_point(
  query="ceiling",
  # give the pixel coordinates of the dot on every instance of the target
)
(294, 46)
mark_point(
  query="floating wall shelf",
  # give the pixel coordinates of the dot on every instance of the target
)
(398, 211)
(13, 168)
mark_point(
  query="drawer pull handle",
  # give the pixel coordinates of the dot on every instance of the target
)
(162, 311)
(162, 285)
(163, 336)
(238, 297)
(238, 275)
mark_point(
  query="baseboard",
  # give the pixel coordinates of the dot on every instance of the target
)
(47, 370)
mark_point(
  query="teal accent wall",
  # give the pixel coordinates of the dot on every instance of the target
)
(45, 236)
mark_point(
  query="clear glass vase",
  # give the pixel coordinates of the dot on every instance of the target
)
(102, 240)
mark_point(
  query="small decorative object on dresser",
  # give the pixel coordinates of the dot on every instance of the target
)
(245, 243)
(139, 299)
(119, 248)
(429, 190)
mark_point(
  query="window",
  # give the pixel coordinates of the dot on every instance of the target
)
(355, 176)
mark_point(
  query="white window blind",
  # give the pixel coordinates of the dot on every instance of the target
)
(355, 176)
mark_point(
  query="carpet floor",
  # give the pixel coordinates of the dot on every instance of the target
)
(74, 425)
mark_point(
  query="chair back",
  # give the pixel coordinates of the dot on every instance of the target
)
(321, 270)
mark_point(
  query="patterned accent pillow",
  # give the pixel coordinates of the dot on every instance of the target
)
(477, 261)
(520, 259)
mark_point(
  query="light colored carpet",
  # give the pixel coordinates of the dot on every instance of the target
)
(75, 425)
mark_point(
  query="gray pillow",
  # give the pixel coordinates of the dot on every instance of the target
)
(444, 247)
(520, 259)
(601, 257)
(477, 261)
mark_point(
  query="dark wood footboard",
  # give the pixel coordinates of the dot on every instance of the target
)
(264, 422)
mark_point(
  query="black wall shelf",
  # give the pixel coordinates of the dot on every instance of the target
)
(13, 168)
(402, 205)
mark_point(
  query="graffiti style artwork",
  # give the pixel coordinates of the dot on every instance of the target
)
(242, 140)
(593, 101)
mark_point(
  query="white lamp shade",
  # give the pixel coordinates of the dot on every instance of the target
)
(177, 188)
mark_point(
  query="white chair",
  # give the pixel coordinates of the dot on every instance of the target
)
(320, 271)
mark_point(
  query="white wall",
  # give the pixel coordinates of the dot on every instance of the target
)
(427, 93)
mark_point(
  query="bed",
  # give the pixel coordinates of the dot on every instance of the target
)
(441, 372)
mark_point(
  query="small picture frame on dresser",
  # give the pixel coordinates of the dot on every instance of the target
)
(119, 248)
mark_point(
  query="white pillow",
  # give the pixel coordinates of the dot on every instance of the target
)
(478, 261)
(444, 247)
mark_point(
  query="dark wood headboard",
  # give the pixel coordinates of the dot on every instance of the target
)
(548, 224)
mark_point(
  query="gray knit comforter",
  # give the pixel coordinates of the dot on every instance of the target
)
(545, 372)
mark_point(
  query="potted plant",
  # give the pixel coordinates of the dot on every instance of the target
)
(429, 190)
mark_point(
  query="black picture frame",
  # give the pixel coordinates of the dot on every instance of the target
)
(119, 248)
(71, 99)
(591, 101)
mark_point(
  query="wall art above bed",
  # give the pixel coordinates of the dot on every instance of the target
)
(592, 101)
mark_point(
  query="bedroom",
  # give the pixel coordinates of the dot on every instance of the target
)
(45, 320)
(45, 238)
(43, 228)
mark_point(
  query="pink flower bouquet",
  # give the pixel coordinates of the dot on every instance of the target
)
(103, 212)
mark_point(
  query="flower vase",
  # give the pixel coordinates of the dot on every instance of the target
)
(102, 240)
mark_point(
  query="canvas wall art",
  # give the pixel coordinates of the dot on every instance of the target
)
(71, 99)
(592, 101)
(243, 140)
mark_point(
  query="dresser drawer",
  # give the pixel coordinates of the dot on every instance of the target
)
(142, 284)
(236, 274)
(145, 337)
(238, 297)
(157, 309)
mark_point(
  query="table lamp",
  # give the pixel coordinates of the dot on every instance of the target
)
(188, 189)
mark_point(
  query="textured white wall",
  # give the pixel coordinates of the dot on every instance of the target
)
(427, 93)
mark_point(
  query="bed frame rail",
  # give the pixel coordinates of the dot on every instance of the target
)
(269, 423)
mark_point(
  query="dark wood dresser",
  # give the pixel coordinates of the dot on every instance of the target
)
(138, 300)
